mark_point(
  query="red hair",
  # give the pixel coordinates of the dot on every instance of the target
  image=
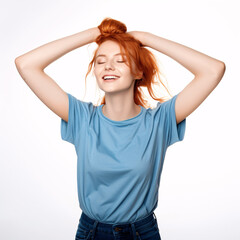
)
(136, 54)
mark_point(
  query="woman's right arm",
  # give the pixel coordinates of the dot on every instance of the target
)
(31, 68)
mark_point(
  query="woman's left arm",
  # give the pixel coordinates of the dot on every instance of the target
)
(208, 71)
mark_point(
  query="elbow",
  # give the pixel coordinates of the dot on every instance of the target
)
(222, 66)
(16, 61)
(19, 62)
(22, 63)
(219, 71)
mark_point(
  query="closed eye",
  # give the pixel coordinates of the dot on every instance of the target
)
(117, 61)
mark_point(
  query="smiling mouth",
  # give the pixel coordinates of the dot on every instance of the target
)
(110, 78)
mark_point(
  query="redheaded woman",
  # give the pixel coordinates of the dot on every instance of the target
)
(121, 143)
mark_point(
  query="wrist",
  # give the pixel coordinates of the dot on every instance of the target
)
(141, 36)
(95, 32)
(144, 38)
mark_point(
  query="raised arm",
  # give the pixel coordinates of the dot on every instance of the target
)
(31, 68)
(208, 71)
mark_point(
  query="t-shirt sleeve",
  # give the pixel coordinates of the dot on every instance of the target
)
(174, 132)
(78, 114)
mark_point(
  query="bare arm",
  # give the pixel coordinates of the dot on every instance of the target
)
(31, 68)
(208, 71)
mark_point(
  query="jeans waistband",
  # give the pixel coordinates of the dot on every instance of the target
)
(138, 223)
(118, 227)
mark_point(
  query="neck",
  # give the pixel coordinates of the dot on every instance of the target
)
(119, 108)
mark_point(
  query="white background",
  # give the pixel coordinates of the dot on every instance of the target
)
(199, 193)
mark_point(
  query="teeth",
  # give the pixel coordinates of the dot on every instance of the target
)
(109, 77)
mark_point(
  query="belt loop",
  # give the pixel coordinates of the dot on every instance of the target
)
(155, 218)
(134, 231)
(94, 228)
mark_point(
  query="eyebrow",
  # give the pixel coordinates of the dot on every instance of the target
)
(103, 55)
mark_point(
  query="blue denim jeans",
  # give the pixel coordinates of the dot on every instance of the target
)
(144, 229)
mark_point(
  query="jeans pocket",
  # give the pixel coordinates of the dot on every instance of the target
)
(148, 231)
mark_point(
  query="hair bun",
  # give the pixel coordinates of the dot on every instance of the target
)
(111, 26)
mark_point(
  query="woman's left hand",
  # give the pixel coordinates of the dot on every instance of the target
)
(139, 36)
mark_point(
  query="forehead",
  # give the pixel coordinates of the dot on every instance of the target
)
(108, 48)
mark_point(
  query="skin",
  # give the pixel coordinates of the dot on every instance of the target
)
(207, 72)
(31, 67)
(120, 104)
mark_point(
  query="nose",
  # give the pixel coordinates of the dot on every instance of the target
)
(109, 65)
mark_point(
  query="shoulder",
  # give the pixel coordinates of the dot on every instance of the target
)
(80, 106)
(166, 105)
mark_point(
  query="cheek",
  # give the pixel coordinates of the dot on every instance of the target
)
(95, 72)
(97, 75)
(127, 72)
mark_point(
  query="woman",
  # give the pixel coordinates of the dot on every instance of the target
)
(120, 144)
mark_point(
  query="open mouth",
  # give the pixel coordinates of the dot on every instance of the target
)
(110, 78)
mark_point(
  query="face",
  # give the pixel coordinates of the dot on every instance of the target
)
(110, 62)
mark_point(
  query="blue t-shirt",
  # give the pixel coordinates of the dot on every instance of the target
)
(119, 163)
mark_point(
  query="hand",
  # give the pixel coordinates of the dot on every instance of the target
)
(95, 32)
(139, 36)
